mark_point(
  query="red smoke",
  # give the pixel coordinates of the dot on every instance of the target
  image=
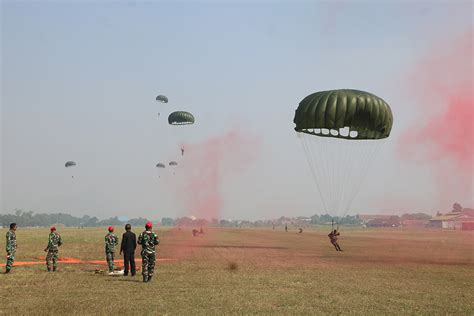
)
(201, 177)
(443, 137)
(206, 167)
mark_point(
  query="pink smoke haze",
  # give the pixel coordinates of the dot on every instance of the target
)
(207, 165)
(443, 137)
(201, 177)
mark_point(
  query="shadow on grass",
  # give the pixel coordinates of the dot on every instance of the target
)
(238, 247)
(125, 279)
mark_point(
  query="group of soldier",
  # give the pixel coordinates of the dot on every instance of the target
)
(147, 239)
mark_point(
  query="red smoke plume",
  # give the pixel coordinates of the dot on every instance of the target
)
(443, 137)
(201, 177)
(208, 165)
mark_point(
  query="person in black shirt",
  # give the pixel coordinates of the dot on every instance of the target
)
(128, 246)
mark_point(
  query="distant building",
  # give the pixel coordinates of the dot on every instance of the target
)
(415, 223)
(463, 220)
(367, 218)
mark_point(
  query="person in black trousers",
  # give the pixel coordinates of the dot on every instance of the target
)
(128, 246)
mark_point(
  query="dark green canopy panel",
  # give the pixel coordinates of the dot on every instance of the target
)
(180, 118)
(330, 113)
(162, 99)
(160, 165)
(69, 164)
(173, 163)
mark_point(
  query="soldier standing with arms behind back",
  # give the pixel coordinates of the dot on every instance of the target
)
(111, 241)
(11, 247)
(148, 240)
(128, 246)
(54, 242)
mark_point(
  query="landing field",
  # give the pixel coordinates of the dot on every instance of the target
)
(251, 271)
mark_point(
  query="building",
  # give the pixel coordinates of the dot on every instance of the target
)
(463, 220)
(415, 223)
(367, 218)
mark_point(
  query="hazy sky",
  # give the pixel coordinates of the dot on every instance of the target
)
(79, 81)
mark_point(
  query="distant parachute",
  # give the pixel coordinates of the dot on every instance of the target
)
(162, 99)
(160, 165)
(69, 164)
(173, 163)
(180, 118)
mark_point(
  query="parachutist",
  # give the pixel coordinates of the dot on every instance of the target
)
(182, 151)
(333, 237)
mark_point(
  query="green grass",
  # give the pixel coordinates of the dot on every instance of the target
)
(380, 272)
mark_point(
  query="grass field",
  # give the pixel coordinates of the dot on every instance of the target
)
(380, 272)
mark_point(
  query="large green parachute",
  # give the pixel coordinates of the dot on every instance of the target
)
(349, 114)
(180, 118)
(160, 165)
(341, 132)
(173, 163)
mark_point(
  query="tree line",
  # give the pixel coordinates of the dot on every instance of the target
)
(30, 219)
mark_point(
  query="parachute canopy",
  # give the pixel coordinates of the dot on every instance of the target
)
(160, 165)
(173, 163)
(162, 99)
(324, 121)
(348, 114)
(180, 118)
(69, 164)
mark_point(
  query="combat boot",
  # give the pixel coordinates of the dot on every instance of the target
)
(149, 278)
(145, 278)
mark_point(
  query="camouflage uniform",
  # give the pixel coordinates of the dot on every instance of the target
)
(148, 240)
(111, 241)
(54, 241)
(11, 249)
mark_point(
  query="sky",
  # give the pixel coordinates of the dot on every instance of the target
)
(79, 81)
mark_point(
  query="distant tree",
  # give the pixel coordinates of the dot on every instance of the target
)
(416, 216)
(138, 221)
(315, 219)
(326, 218)
(457, 207)
(167, 221)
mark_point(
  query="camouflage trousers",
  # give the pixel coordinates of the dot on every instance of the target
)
(148, 263)
(52, 256)
(10, 260)
(110, 260)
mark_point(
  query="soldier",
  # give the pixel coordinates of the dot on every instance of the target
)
(11, 247)
(148, 240)
(111, 241)
(333, 236)
(128, 246)
(54, 242)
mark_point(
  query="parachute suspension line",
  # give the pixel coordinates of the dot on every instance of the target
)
(318, 172)
(369, 158)
(339, 168)
(312, 168)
